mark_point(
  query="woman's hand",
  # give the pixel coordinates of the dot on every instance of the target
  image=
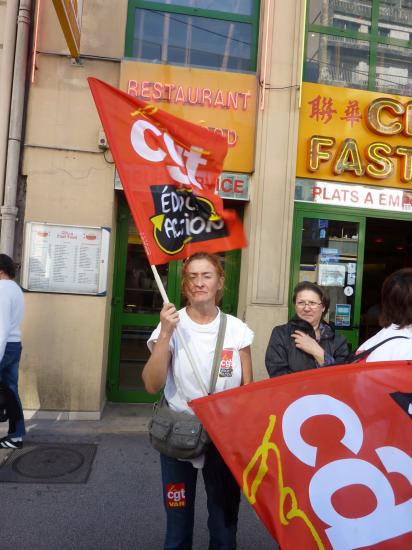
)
(169, 318)
(155, 371)
(309, 345)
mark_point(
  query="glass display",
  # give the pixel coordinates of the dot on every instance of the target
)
(347, 15)
(134, 354)
(187, 40)
(395, 19)
(394, 70)
(141, 294)
(236, 7)
(337, 61)
(328, 258)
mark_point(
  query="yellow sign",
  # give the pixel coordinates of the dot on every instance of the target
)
(223, 102)
(69, 13)
(355, 136)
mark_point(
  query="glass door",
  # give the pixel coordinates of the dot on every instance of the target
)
(328, 249)
(136, 304)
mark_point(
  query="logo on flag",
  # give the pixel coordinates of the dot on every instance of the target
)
(324, 456)
(168, 168)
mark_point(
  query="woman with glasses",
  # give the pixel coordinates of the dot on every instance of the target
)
(306, 341)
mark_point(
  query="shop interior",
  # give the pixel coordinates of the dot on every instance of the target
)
(388, 247)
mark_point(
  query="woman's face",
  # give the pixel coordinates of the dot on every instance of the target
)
(308, 306)
(202, 282)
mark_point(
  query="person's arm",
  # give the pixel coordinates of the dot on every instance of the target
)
(309, 345)
(246, 364)
(155, 371)
(5, 321)
(276, 358)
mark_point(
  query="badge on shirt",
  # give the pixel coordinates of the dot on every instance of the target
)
(176, 495)
(226, 364)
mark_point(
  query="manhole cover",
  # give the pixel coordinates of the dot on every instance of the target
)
(49, 462)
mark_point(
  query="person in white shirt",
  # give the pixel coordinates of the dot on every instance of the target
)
(395, 318)
(11, 315)
(202, 285)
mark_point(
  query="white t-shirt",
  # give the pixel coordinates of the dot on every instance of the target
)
(394, 350)
(11, 313)
(201, 340)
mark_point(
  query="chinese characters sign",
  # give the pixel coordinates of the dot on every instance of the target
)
(355, 136)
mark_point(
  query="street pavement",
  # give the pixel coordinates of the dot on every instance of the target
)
(120, 506)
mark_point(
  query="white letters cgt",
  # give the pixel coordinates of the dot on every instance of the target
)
(388, 520)
(182, 172)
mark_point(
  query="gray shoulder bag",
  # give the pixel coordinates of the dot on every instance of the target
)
(181, 434)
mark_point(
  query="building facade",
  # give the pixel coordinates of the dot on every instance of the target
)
(313, 99)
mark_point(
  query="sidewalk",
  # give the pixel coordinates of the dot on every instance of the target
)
(120, 505)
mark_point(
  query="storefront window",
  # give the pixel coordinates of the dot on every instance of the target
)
(238, 7)
(141, 294)
(217, 35)
(329, 257)
(337, 61)
(362, 44)
(394, 70)
(341, 14)
(187, 40)
(395, 19)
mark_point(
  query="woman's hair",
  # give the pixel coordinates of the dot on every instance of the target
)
(397, 299)
(306, 285)
(214, 260)
(7, 265)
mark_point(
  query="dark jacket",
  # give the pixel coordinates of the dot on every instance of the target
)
(283, 357)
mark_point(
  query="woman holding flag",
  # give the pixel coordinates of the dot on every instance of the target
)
(169, 368)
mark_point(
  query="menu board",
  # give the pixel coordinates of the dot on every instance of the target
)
(65, 258)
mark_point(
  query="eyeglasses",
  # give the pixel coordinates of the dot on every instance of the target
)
(312, 305)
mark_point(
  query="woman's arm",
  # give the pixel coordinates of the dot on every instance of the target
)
(155, 371)
(246, 363)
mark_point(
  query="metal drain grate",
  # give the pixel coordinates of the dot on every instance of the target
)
(49, 463)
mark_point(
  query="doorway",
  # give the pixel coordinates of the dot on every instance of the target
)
(388, 247)
(136, 304)
(350, 251)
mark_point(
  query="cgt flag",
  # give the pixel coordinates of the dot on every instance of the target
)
(324, 456)
(168, 168)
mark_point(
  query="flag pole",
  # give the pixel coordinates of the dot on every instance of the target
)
(182, 341)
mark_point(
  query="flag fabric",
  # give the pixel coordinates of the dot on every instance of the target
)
(168, 168)
(324, 456)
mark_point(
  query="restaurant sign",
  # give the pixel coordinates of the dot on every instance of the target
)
(355, 136)
(222, 102)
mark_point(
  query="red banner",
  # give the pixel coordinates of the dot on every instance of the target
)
(168, 168)
(324, 456)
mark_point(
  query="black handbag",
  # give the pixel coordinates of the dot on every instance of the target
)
(181, 434)
(4, 415)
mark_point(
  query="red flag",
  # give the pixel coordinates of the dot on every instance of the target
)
(324, 456)
(168, 168)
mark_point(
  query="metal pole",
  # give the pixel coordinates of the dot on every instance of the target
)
(6, 80)
(182, 341)
(9, 209)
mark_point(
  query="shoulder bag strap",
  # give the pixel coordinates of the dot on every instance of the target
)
(218, 351)
(365, 353)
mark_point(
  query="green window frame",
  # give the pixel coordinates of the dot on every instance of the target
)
(193, 12)
(374, 39)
